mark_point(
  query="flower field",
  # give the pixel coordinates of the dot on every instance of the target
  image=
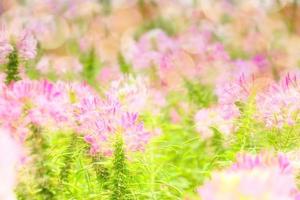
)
(149, 100)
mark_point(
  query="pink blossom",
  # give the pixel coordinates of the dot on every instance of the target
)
(38, 102)
(9, 159)
(27, 45)
(262, 160)
(148, 51)
(207, 119)
(231, 92)
(44, 65)
(100, 120)
(175, 116)
(195, 41)
(5, 47)
(261, 61)
(253, 177)
(59, 65)
(133, 93)
(279, 104)
(108, 74)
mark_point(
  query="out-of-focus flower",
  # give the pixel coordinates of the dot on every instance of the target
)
(262, 160)
(24, 42)
(108, 74)
(175, 117)
(38, 102)
(253, 177)
(208, 119)
(231, 92)
(59, 65)
(27, 45)
(131, 92)
(5, 47)
(51, 31)
(9, 159)
(279, 105)
(149, 49)
(195, 41)
(223, 116)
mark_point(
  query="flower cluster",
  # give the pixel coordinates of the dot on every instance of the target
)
(102, 120)
(174, 58)
(25, 44)
(279, 105)
(26, 102)
(73, 106)
(223, 116)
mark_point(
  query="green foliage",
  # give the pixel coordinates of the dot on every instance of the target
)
(124, 66)
(30, 66)
(237, 53)
(102, 171)
(199, 94)
(12, 71)
(91, 67)
(68, 159)
(106, 6)
(42, 186)
(119, 184)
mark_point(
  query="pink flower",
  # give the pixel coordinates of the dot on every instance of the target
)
(279, 104)
(9, 159)
(207, 119)
(262, 160)
(102, 119)
(261, 61)
(5, 47)
(38, 102)
(74, 106)
(195, 41)
(27, 45)
(59, 65)
(175, 116)
(253, 177)
(234, 91)
(108, 74)
(133, 93)
(148, 51)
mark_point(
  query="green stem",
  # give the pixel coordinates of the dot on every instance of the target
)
(42, 173)
(120, 190)
(67, 159)
(101, 171)
(12, 72)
